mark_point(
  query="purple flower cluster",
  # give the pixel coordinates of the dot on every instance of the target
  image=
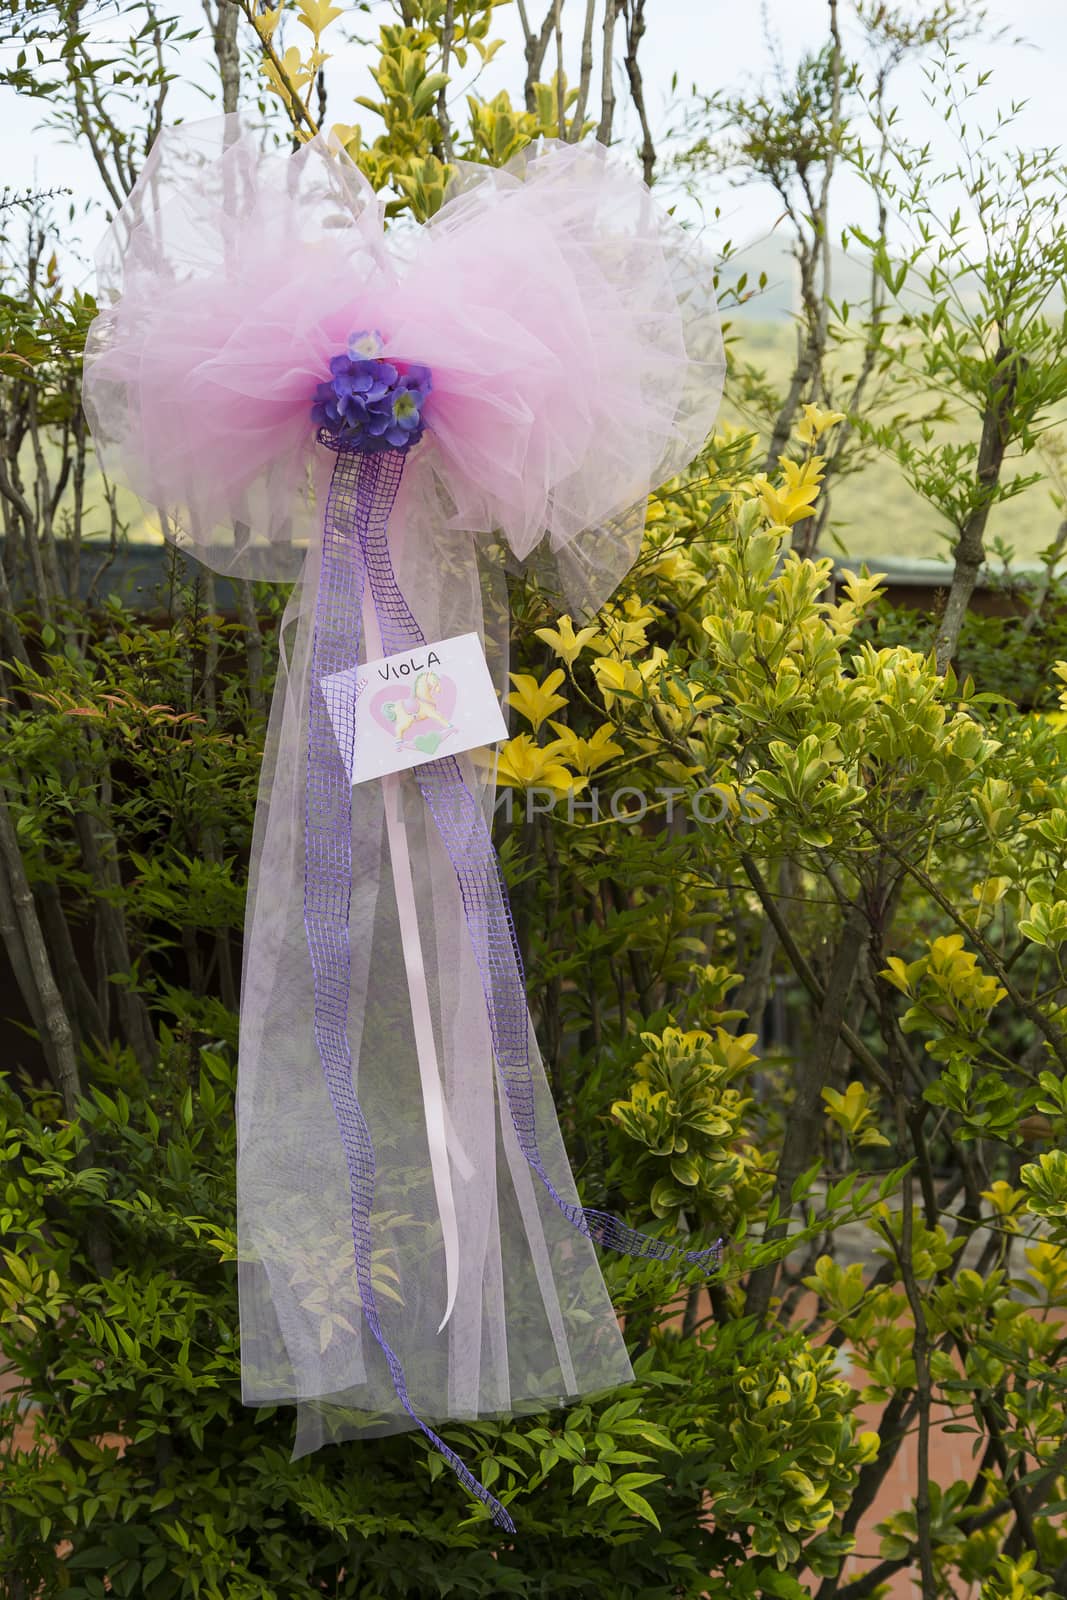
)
(368, 404)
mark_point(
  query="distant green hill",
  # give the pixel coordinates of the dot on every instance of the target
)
(876, 511)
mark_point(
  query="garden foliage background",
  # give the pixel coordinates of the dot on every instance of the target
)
(827, 1007)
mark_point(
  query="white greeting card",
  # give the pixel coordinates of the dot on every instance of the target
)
(417, 706)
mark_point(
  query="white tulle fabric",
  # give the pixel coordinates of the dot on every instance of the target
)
(571, 330)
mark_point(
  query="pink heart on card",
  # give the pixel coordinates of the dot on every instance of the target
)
(415, 707)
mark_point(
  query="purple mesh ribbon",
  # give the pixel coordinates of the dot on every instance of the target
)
(355, 550)
(362, 491)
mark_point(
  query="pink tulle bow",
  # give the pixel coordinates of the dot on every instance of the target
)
(569, 324)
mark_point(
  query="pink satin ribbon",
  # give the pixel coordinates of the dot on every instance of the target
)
(444, 1146)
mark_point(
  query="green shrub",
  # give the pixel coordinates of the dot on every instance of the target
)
(118, 1311)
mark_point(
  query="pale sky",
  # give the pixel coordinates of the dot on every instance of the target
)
(714, 43)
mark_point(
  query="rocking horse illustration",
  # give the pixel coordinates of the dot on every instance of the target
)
(418, 707)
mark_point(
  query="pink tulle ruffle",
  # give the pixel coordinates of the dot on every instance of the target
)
(569, 324)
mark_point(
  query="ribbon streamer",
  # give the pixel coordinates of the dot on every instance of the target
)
(363, 489)
(445, 1149)
(441, 1140)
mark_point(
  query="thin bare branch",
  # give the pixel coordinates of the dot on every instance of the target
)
(535, 46)
(557, 24)
(635, 32)
(26, 943)
(803, 1127)
(444, 120)
(585, 73)
(607, 79)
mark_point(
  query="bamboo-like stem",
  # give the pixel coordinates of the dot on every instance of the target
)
(11, 491)
(635, 32)
(607, 81)
(561, 131)
(535, 46)
(803, 970)
(99, 857)
(812, 253)
(77, 996)
(222, 19)
(10, 632)
(444, 121)
(803, 1126)
(253, 640)
(585, 73)
(969, 553)
(42, 996)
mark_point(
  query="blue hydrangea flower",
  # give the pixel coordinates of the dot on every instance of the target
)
(369, 404)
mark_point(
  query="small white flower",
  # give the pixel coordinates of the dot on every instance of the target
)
(366, 346)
